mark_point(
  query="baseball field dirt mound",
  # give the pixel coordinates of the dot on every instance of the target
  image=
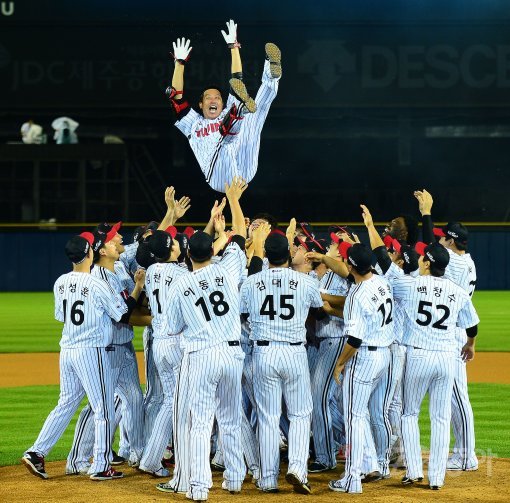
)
(491, 483)
(485, 368)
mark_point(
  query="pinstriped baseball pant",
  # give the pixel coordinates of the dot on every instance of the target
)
(363, 373)
(432, 372)
(280, 369)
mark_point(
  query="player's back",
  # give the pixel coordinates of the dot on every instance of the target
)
(435, 306)
(462, 271)
(368, 312)
(87, 306)
(160, 282)
(277, 301)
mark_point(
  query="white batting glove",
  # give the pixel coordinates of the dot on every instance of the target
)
(231, 36)
(181, 50)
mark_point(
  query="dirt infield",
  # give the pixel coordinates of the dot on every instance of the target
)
(490, 483)
(485, 368)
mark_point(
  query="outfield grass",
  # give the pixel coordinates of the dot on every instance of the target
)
(28, 325)
(23, 411)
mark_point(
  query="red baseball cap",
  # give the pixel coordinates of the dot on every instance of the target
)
(172, 231)
(344, 246)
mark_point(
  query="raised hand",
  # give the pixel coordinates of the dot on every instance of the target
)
(367, 217)
(182, 206)
(231, 35)
(425, 201)
(236, 189)
(182, 50)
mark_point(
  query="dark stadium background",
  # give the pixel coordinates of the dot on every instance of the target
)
(377, 99)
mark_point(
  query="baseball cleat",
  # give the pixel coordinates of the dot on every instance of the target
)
(266, 489)
(109, 474)
(274, 56)
(406, 481)
(455, 465)
(224, 486)
(317, 467)
(81, 471)
(435, 488)
(34, 464)
(160, 472)
(190, 496)
(168, 487)
(238, 89)
(372, 476)
(298, 486)
(337, 486)
(117, 460)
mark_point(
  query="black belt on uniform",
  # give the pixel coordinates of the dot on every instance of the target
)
(266, 343)
(233, 343)
(372, 348)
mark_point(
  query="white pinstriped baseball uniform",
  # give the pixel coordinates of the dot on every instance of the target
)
(221, 158)
(128, 257)
(368, 315)
(434, 307)
(462, 271)
(160, 283)
(277, 301)
(330, 331)
(125, 380)
(205, 306)
(396, 369)
(86, 306)
(248, 436)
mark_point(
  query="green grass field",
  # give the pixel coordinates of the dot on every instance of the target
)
(23, 411)
(29, 326)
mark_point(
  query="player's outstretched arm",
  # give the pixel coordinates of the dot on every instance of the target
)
(181, 54)
(425, 203)
(230, 37)
(217, 210)
(375, 238)
(234, 191)
(337, 267)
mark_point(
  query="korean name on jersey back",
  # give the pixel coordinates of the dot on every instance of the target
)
(86, 305)
(368, 312)
(205, 303)
(277, 301)
(160, 284)
(434, 307)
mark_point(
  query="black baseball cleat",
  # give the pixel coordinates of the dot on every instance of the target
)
(216, 467)
(35, 464)
(240, 92)
(109, 474)
(317, 467)
(435, 488)
(117, 460)
(298, 486)
(274, 56)
(406, 481)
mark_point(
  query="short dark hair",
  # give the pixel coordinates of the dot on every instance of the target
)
(279, 262)
(270, 219)
(213, 86)
(200, 260)
(412, 229)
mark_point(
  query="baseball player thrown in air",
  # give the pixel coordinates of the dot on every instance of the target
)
(277, 302)
(86, 306)
(225, 140)
(366, 358)
(205, 308)
(462, 271)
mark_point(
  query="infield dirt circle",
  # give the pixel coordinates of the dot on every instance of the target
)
(491, 483)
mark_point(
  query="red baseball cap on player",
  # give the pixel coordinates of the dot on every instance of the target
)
(357, 255)
(453, 230)
(107, 231)
(161, 244)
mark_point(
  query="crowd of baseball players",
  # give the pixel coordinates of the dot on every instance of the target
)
(267, 350)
